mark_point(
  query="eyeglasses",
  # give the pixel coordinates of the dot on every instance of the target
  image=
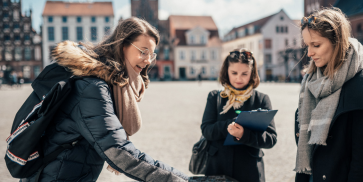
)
(308, 20)
(237, 54)
(146, 54)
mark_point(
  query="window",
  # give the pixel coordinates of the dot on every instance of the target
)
(18, 55)
(192, 71)
(268, 58)
(203, 70)
(16, 25)
(203, 55)
(286, 29)
(50, 19)
(202, 39)
(107, 31)
(79, 19)
(27, 53)
(166, 53)
(268, 43)
(213, 55)
(8, 54)
(282, 29)
(7, 37)
(192, 39)
(246, 31)
(281, 18)
(79, 33)
(6, 15)
(64, 19)
(181, 53)
(286, 42)
(192, 55)
(36, 70)
(26, 37)
(64, 33)
(17, 37)
(277, 29)
(5, 4)
(51, 33)
(93, 19)
(212, 71)
(93, 33)
(107, 19)
(6, 26)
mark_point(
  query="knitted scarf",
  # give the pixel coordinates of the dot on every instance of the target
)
(236, 98)
(126, 99)
(319, 97)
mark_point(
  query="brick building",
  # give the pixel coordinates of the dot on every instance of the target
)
(20, 47)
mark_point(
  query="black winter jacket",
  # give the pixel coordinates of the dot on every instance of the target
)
(341, 160)
(241, 162)
(88, 116)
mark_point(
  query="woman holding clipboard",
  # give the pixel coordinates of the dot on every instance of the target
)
(239, 77)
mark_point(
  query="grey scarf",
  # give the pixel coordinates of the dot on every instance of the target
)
(319, 97)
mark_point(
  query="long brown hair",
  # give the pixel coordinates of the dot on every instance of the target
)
(251, 62)
(112, 46)
(332, 24)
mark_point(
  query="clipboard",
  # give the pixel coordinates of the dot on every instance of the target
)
(256, 120)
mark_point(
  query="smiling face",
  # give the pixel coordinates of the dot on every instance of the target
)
(239, 74)
(133, 55)
(320, 49)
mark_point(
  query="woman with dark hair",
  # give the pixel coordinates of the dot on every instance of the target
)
(328, 122)
(102, 112)
(244, 162)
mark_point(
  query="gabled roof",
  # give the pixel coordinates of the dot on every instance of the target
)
(258, 24)
(350, 7)
(60, 8)
(181, 22)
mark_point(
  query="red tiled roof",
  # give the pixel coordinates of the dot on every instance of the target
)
(59, 8)
(180, 22)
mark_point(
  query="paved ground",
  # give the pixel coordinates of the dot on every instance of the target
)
(172, 113)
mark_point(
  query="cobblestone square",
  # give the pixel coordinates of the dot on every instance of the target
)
(172, 114)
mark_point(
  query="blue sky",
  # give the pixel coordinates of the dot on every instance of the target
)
(226, 13)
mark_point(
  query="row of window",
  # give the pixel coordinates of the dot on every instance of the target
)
(193, 55)
(202, 39)
(18, 54)
(282, 29)
(16, 26)
(79, 33)
(79, 19)
(203, 70)
(17, 37)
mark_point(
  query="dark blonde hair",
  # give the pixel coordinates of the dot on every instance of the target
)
(332, 24)
(241, 58)
(112, 46)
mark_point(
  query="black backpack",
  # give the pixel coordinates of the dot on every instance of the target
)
(24, 154)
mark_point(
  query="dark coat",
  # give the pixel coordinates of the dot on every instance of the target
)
(241, 162)
(342, 159)
(88, 115)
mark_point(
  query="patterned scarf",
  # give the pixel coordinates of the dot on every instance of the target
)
(126, 99)
(236, 98)
(319, 98)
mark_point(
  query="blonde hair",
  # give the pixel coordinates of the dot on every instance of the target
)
(332, 24)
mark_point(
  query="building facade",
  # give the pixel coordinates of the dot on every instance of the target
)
(196, 45)
(147, 10)
(20, 47)
(268, 38)
(85, 22)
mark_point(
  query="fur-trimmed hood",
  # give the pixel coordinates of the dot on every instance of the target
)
(70, 55)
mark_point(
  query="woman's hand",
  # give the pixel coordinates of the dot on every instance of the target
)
(235, 130)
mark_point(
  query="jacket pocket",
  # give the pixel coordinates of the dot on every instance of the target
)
(254, 152)
(212, 150)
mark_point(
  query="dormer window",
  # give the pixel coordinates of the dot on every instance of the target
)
(202, 39)
(192, 39)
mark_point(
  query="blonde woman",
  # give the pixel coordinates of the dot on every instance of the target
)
(329, 124)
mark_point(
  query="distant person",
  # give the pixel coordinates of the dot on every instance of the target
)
(244, 163)
(328, 122)
(102, 111)
(200, 78)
